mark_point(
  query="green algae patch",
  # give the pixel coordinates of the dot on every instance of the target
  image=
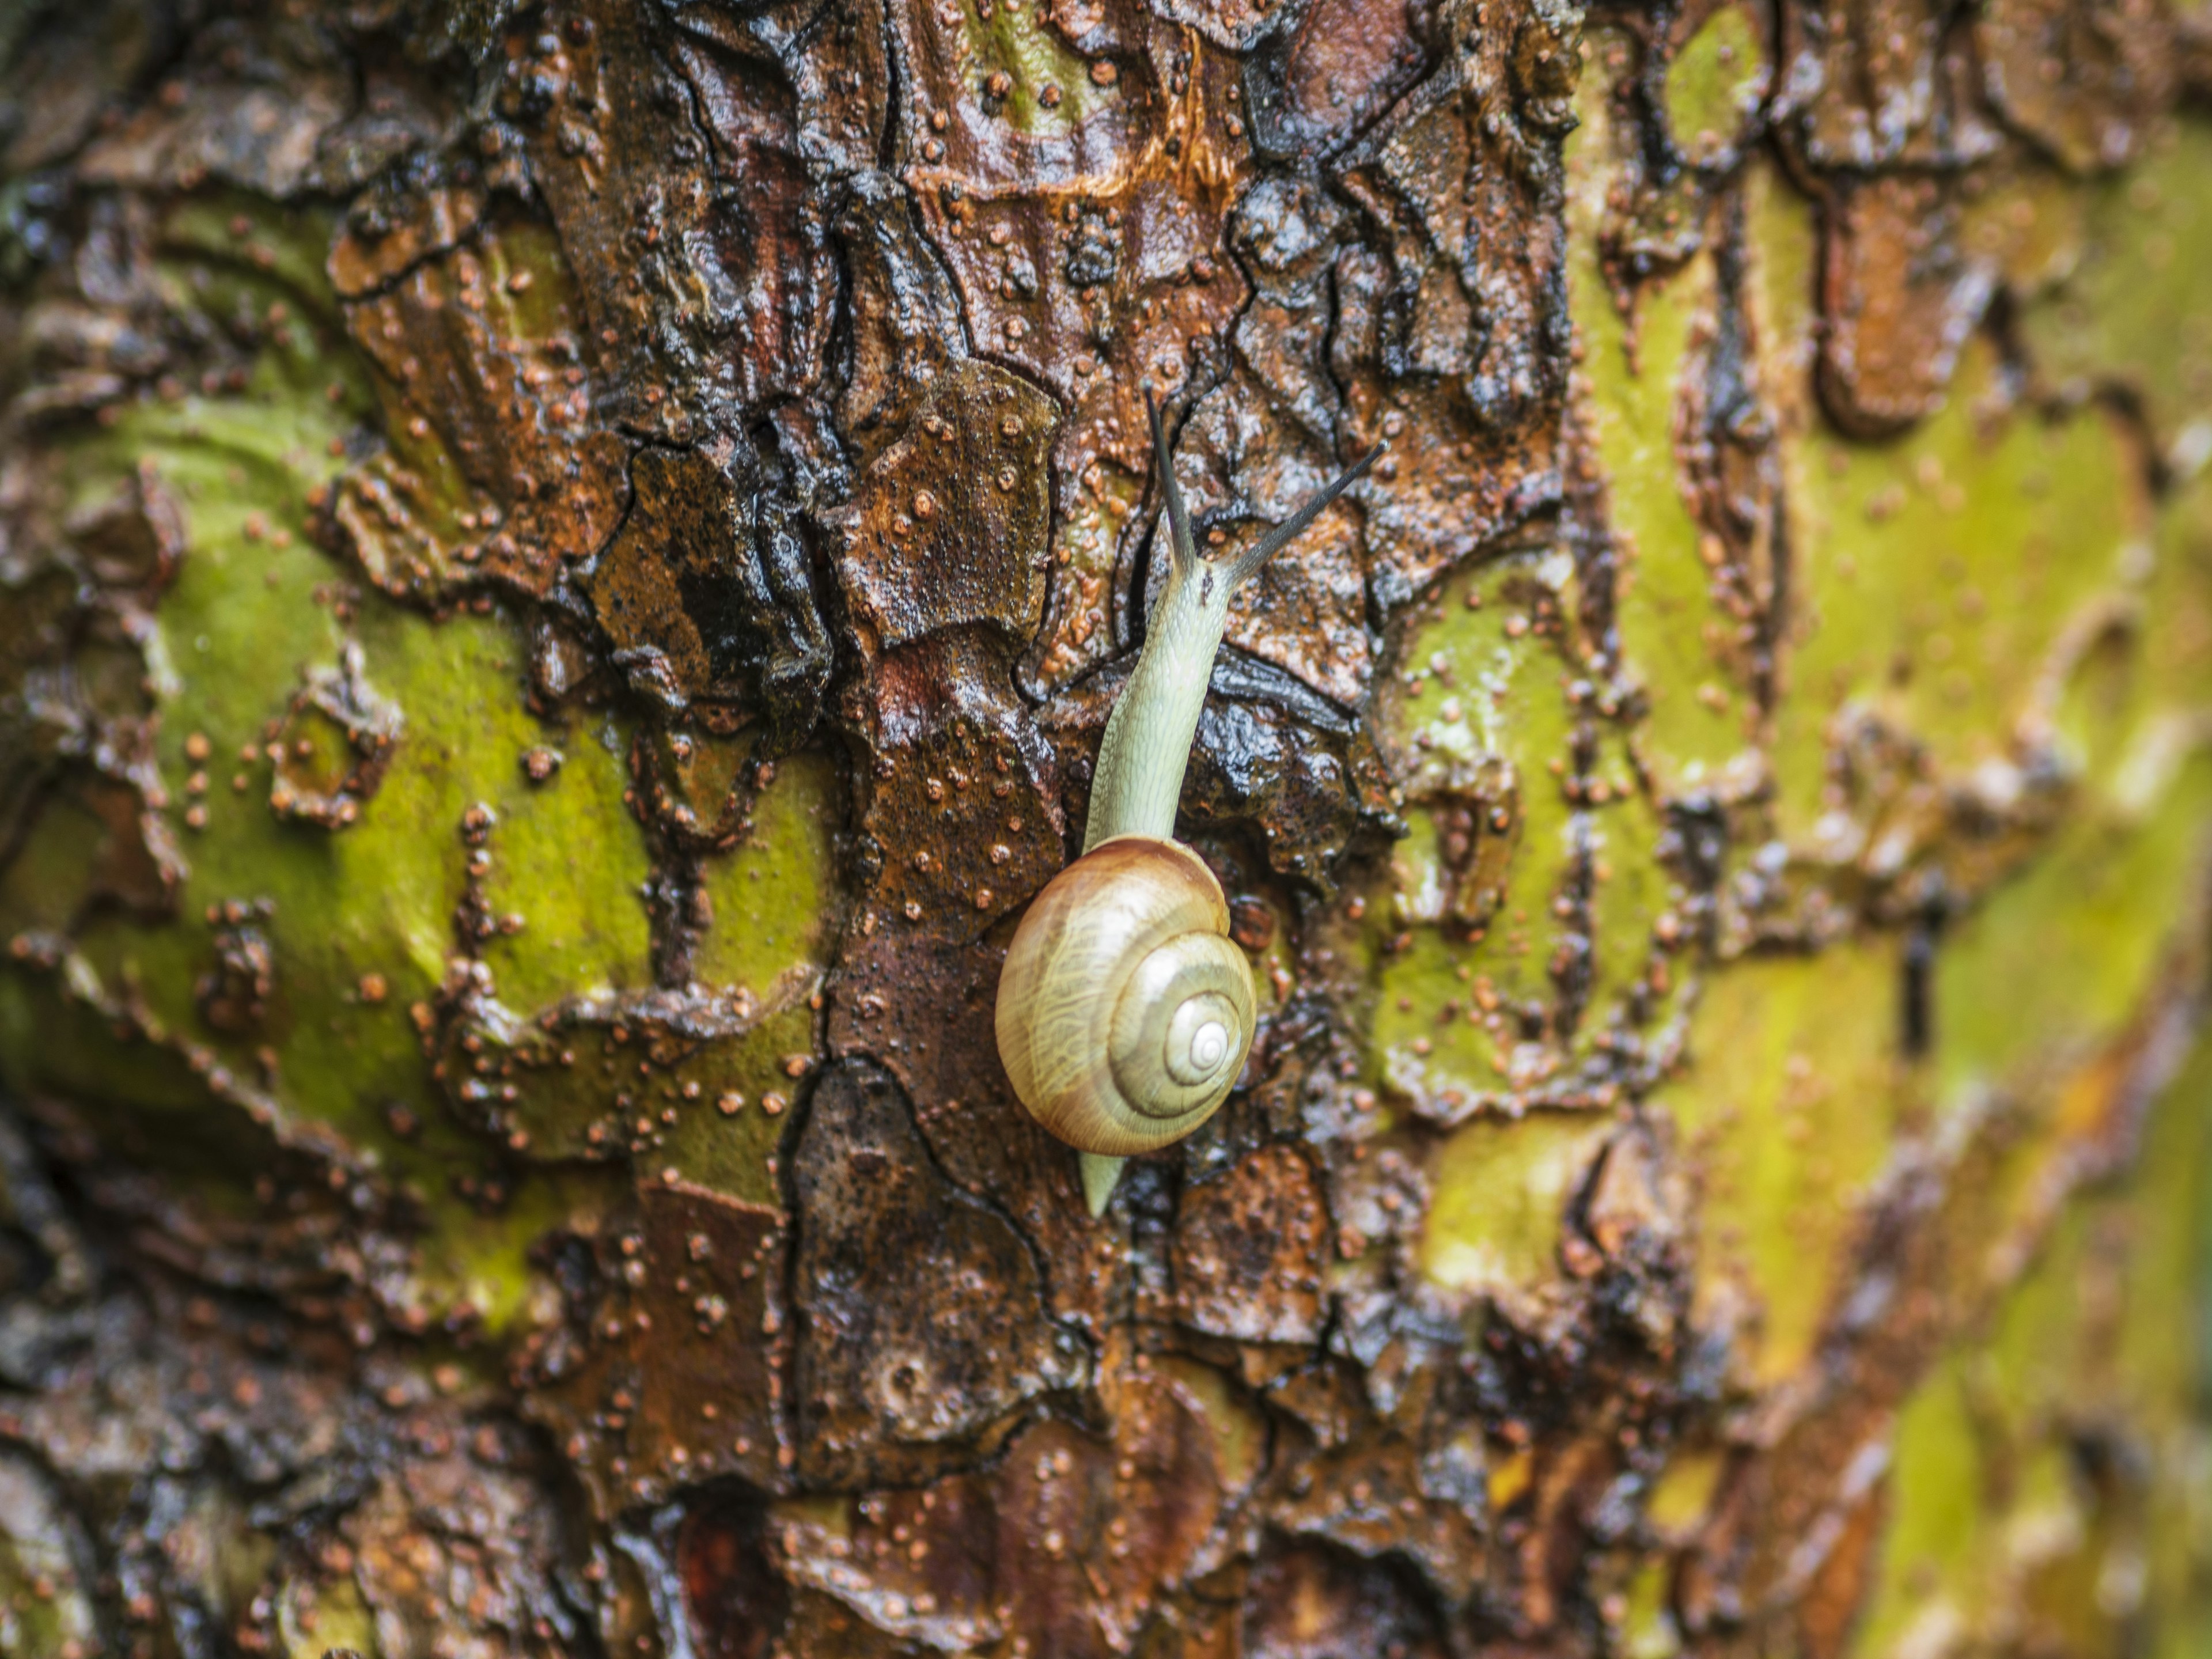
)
(45, 1606)
(1502, 1189)
(2132, 705)
(1782, 265)
(1648, 1630)
(1935, 1514)
(53, 873)
(249, 607)
(60, 1035)
(1480, 718)
(1048, 91)
(2135, 311)
(1696, 704)
(727, 1142)
(771, 895)
(1789, 1114)
(476, 1260)
(1239, 1436)
(1937, 575)
(2065, 956)
(324, 754)
(1632, 368)
(2048, 1475)
(1715, 84)
(1683, 1494)
(2061, 958)
(319, 1616)
(564, 889)
(1511, 860)
(230, 254)
(1084, 546)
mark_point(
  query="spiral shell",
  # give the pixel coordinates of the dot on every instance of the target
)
(1125, 1010)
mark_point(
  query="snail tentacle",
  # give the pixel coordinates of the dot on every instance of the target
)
(1247, 563)
(1182, 546)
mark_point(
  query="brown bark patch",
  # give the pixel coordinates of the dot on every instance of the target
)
(667, 1373)
(1308, 1601)
(494, 469)
(1901, 296)
(924, 1335)
(1248, 1251)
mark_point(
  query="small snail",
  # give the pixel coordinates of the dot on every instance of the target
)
(1125, 1010)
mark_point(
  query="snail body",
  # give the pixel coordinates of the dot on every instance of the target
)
(1125, 1011)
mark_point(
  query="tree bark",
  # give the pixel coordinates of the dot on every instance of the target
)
(561, 568)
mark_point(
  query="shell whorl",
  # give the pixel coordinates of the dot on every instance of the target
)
(1125, 1011)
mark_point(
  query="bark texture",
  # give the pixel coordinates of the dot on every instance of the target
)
(561, 567)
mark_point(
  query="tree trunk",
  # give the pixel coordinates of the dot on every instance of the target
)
(561, 568)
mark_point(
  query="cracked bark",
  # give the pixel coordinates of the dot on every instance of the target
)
(561, 567)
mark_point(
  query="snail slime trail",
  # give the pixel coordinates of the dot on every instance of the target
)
(1125, 1010)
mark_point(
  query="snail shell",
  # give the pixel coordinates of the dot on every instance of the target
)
(1125, 1009)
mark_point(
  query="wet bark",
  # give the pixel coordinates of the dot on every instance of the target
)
(561, 568)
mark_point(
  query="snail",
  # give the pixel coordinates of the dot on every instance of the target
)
(1125, 1010)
